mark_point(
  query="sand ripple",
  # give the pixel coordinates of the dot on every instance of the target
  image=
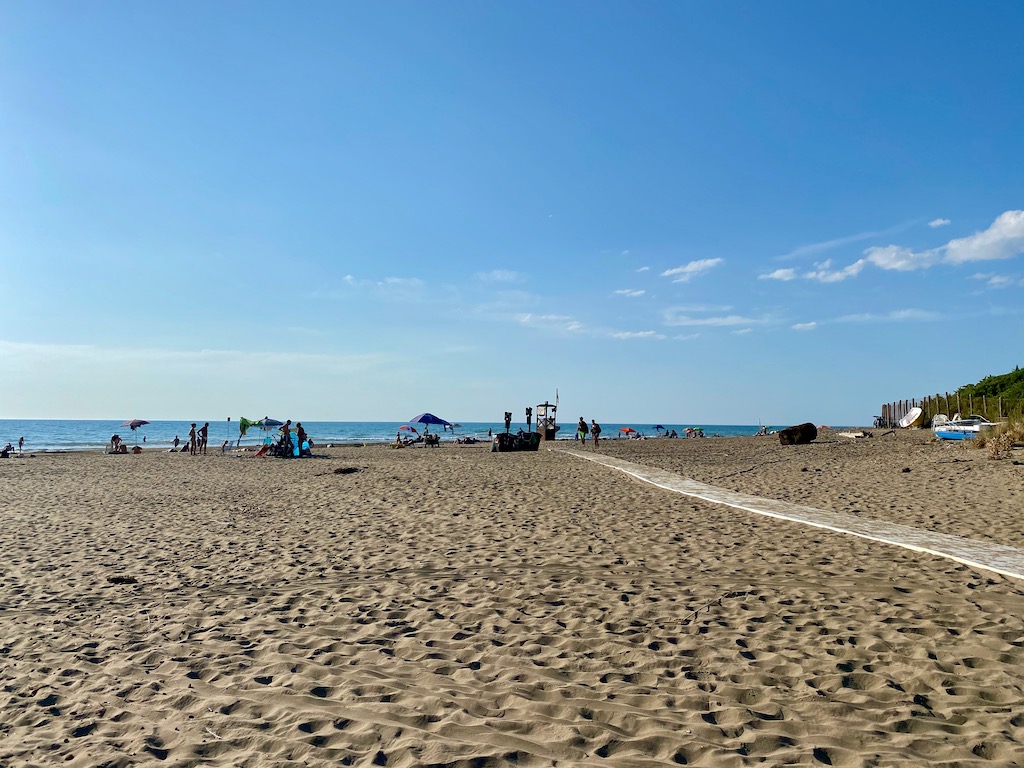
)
(462, 608)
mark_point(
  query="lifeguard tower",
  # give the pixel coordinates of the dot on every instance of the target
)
(547, 424)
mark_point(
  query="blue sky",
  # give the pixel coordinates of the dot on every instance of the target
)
(668, 211)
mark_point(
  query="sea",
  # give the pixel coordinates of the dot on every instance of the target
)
(54, 435)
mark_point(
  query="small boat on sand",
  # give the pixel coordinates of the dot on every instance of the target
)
(961, 429)
(912, 418)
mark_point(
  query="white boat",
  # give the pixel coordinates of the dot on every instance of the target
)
(913, 416)
(961, 429)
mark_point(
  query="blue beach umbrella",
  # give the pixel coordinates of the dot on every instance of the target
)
(428, 419)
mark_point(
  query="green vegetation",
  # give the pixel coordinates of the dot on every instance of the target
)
(1009, 386)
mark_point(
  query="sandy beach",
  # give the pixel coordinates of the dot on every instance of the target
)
(457, 607)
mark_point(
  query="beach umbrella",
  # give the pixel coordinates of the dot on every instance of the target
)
(411, 429)
(267, 423)
(133, 425)
(658, 426)
(428, 419)
(627, 430)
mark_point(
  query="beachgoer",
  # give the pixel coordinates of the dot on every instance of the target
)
(300, 434)
(192, 440)
(177, 442)
(21, 444)
(286, 437)
(224, 446)
(115, 444)
(204, 436)
(595, 430)
(581, 431)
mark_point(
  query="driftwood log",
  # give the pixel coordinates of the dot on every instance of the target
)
(798, 435)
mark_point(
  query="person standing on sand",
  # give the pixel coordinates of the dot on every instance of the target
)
(176, 442)
(581, 432)
(286, 436)
(204, 437)
(595, 430)
(21, 445)
(192, 440)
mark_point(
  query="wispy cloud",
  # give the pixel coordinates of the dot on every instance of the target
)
(675, 317)
(499, 276)
(939, 223)
(112, 357)
(996, 281)
(630, 292)
(1004, 239)
(644, 269)
(743, 331)
(637, 335)
(824, 273)
(804, 326)
(896, 316)
(827, 245)
(688, 271)
(560, 323)
(385, 283)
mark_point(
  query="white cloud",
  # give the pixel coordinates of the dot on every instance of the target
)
(743, 331)
(637, 335)
(901, 259)
(939, 223)
(386, 283)
(564, 323)
(499, 276)
(899, 315)
(673, 317)
(644, 269)
(828, 245)
(995, 281)
(703, 308)
(804, 326)
(1003, 240)
(779, 274)
(684, 273)
(630, 292)
(824, 273)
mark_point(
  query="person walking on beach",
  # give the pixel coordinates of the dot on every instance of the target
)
(204, 437)
(581, 432)
(176, 442)
(21, 445)
(595, 430)
(192, 440)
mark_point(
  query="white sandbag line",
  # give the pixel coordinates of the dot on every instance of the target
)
(990, 556)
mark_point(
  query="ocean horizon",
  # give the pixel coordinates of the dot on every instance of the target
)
(54, 435)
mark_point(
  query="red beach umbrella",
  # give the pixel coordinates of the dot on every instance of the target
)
(627, 430)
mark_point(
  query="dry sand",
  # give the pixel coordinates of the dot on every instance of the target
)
(464, 608)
